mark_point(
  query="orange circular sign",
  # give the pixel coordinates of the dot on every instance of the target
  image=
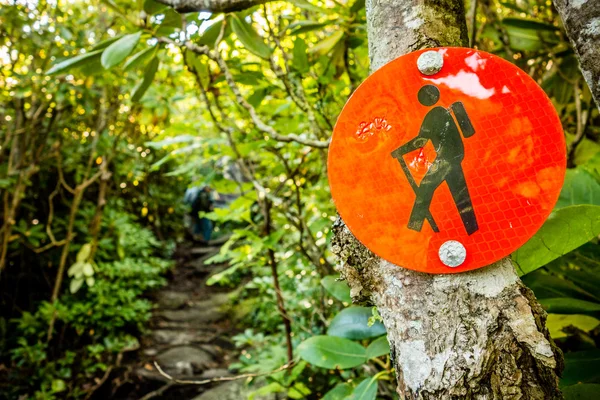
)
(447, 172)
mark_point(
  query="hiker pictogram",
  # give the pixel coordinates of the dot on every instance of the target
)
(443, 130)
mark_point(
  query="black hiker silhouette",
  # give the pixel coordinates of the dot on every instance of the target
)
(439, 127)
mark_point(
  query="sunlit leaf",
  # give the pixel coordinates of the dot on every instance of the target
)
(565, 230)
(140, 58)
(249, 37)
(119, 50)
(74, 62)
(366, 390)
(340, 392)
(332, 352)
(140, 89)
(579, 188)
(557, 322)
(327, 44)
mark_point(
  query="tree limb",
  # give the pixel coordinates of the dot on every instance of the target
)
(213, 6)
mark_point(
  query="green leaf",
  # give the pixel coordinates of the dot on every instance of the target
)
(557, 322)
(583, 391)
(300, 59)
(140, 89)
(327, 44)
(366, 390)
(546, 286)
(152, 7)
(251, 40)
(90, 281)
(340, 392)
(200, 67)
(338, 289)
(75, 62)
(305, 5)
(58, 385)
(379, 347)
(305, 26)
(581, 366)
(528, 34)
(76, 270)
(119, 50)
(567, 305)
(332, 352)
(84, 252)
(140, 58)
(580, 187)
(357, 6)
(566, 229)
(210, 34)
(353, 323)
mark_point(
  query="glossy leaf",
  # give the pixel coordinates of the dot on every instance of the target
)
(580, 187)
(546, 286)
(378, 347)
(140, 89)
(567, 305)
(140, 58)
(565, 230)
(366, 390)
(251, 40)
(305, 26)
(352, 323)
(338, 289)
(527, 34)
(340, 392)
(75, 62)
(332, 352)
(300, 60)
(327, 44)
(119, 50)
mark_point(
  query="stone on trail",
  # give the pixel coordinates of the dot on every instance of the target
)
(172, 300)
(194, 315)
(234, 390)
(185, 361)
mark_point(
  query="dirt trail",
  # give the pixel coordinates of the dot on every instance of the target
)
(189, 337)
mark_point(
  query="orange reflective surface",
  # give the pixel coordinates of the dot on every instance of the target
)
(513, 165)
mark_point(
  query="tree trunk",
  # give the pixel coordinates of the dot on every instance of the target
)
(581, 19)
(474, 335)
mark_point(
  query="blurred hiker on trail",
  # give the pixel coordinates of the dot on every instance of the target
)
(200, 198)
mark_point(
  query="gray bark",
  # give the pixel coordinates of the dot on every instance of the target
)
(214, 6)
(474, 335)
(581, 19)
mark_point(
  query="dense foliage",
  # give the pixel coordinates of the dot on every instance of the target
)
(110, 110)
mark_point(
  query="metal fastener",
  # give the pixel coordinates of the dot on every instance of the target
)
(430, 62)
(452, 253)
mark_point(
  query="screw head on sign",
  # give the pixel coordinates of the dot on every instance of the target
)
(452, 253)
(430, 62)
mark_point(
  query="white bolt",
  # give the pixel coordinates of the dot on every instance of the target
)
(452, 253)
(430, 62)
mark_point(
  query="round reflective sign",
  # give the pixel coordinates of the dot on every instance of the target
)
(473, 154)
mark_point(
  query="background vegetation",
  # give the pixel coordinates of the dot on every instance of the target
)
(111, 109)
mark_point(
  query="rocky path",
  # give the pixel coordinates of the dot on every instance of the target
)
(189, 337)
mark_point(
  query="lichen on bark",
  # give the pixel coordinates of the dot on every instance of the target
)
(475, 335)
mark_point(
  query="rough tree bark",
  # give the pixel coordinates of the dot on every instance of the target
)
(475, 335)
(214, 6)
(581, 19)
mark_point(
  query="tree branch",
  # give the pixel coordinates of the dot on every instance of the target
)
(213, 6)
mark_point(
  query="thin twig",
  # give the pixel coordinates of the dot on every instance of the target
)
(223, 378)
